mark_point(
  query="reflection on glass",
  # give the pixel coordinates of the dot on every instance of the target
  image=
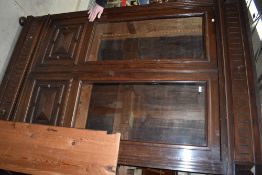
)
(152, 48)
(173, 113)
(171, 39)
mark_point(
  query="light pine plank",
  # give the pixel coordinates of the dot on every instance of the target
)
(39, 149)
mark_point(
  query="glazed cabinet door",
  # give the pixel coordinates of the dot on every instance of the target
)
(174, 79)
(152, 75)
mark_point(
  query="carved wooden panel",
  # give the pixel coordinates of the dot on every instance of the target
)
(62, 42)
(13, 79)
(241, 100)
(45, 101)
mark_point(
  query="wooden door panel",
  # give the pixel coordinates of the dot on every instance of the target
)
(108, 101)
(62, 42)
(128, 41)
(45, 101)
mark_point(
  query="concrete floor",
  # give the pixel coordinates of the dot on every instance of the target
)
(11, 10)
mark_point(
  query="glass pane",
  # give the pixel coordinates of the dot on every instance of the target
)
(170, 39)
(173, 113)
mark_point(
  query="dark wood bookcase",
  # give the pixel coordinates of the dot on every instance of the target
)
(175, 79)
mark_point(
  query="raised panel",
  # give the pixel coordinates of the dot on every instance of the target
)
(62, 43)
(45, 101)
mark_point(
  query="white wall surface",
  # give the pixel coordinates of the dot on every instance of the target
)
(9, 31)
(43, 7)
(11, 10)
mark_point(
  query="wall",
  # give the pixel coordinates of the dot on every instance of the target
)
(11, 10)
(40, 7)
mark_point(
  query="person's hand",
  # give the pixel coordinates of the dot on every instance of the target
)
(96, 10)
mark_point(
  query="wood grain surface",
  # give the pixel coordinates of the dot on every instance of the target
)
(39, 149)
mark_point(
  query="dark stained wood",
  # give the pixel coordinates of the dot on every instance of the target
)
(239, 85)
(180, 155)
(243, 102)
(45, 100)
(38, 149)
(62, 42)
(19, 63)
(174, 26)
(125, 170)
(156, 172)
(251, 79)
(244, 169)
(82, 101)
(60, 67)
(227, 124)
(244, 139)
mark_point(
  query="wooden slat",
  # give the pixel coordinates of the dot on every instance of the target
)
(39, 149)
(239, 82)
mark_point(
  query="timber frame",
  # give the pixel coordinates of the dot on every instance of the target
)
(238, 121)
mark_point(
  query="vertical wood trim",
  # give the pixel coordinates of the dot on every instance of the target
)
(228, 91)
(226, 155)
(83, 105)
(18, 66)
(246, 138)
(240, 97)
(255, 110)
(70, 112)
